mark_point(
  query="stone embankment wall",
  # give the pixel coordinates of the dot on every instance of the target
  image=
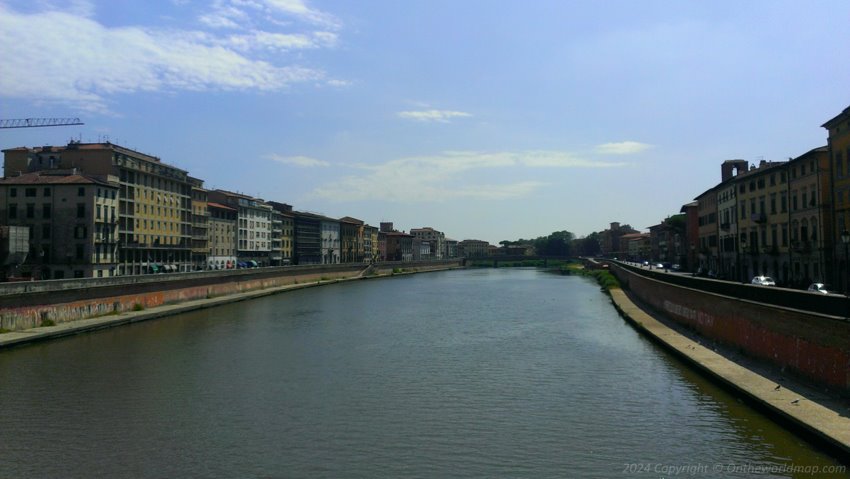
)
(810, 345)
(31, 304)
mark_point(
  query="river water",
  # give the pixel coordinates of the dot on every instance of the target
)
(468, 374)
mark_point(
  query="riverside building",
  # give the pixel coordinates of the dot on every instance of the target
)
(72, 221)
(254, 226)
(154, 200)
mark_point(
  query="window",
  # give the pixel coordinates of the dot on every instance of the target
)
(13, 192)
(29, 192)
(81, 210)
(30, 210)
(13, 211)
(45, 231)
(80, 253)
(47, 192)
(81, 191)
(45, 211)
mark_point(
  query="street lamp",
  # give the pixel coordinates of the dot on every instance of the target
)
(845, 238)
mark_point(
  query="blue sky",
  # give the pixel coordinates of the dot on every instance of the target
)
(484, 119)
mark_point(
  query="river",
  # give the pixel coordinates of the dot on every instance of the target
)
(468, 374)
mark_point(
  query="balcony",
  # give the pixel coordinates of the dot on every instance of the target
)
(758, 218)
(801, 247)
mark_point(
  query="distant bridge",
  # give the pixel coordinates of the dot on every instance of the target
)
(496, 259)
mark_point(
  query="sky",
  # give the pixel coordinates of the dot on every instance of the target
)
(484, 119)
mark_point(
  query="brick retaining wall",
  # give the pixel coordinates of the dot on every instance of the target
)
(24, 306)
(814, 346)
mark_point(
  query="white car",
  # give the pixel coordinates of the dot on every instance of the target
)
(818, 288)
(763, 281)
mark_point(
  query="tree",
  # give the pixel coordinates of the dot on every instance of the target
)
(588, 245)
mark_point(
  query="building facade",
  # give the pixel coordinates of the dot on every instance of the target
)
(254, 226)
(222, 236)
(154, 199)
(308, 238)
(435, 242)
(351, 232)
(838, 147)
(808, 218)
(330, 233)
(72, 221)
(200, 225)
(472, 248)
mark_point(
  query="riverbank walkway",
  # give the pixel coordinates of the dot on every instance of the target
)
(820, 416)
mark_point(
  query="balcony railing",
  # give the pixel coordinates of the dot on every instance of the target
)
(758, 217)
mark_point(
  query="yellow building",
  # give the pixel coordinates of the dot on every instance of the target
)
(286, 235)
(810, 220)
(762, 196)
(200, 225)
(155, 215)
(838, 145)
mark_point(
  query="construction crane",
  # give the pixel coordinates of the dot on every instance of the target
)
(37, 122)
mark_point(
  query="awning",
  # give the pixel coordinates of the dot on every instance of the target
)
(253, 263)
(155, 268)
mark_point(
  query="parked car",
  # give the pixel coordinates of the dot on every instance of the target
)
(763, 281)
(818, 288)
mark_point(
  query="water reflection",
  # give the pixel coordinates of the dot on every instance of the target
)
(460, 374)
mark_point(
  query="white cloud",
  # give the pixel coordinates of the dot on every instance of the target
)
(300, 9)
(443, 177)
(622, 148)
(561, 159)
(280, 41)
(302, 161)
(338, 83)
(442, 116)
(96, 61)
